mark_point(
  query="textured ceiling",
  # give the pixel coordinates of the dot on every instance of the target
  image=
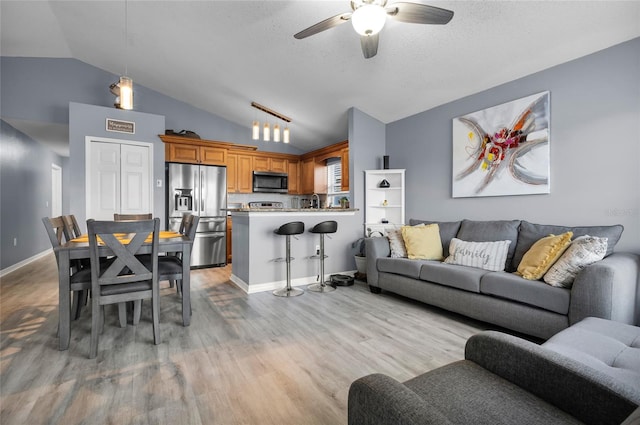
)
(221, 55)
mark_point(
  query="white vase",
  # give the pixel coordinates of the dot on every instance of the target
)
(361, 264)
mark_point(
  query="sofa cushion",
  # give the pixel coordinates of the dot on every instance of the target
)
(584, 250)
(608, 346)
(532, 292)
(422, 242)
(542, 254)
(448, 231)
(489, 231)
(529, 233)
(484, 255)
(469, 394)
(401, 266)
(460, 277)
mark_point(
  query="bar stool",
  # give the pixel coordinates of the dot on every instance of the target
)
(288, 229)
(323, 228)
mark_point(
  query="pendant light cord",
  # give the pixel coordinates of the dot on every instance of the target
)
(126, 32)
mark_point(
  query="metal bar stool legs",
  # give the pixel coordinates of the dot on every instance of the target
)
(323, 228)
(287, 230)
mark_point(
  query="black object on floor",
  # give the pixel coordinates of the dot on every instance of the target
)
(341, 280)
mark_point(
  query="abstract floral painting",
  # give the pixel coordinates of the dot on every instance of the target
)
(503, 150)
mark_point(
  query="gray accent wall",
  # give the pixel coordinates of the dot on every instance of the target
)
(595, 148)
(40, 89)
(25, 185)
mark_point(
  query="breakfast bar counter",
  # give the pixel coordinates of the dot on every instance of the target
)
(255, 246)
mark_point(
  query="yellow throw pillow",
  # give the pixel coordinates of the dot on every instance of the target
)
(542, 254)
(423, 242)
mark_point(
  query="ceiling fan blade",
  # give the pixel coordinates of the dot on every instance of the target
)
(369, 45)
(415, 13)
(324, 25)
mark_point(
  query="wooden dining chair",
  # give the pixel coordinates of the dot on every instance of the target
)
(71, 225)
(124, 278)
(131, 217)
(79, 277)
(170, 265)
(72, 230)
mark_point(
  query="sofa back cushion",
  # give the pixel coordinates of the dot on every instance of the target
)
(529, 233)
(448, 231)
(491, 231)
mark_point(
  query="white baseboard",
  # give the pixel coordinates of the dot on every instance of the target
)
(23, 263)
(271, 286)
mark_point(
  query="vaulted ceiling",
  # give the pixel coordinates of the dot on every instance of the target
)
(221, 55)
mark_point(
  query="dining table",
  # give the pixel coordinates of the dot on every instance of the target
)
(76, 249)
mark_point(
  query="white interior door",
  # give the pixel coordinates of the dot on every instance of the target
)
(103, 188)
(119, 177)
(135, 179)
(56, 190)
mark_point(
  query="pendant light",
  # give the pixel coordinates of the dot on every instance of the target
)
(123, 89)
(285, 135)
(266, 133)
(276, 133)
(266, 128)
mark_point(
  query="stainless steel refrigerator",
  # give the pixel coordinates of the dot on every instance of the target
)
(200, 190)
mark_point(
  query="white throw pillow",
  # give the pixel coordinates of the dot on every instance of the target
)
(583, 251)
(484, 255)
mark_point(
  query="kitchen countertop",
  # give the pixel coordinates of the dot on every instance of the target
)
(300, 210)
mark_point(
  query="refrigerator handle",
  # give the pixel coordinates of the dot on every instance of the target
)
(202, 190)
(196, 191)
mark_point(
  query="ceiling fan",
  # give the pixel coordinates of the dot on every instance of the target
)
(368, 18)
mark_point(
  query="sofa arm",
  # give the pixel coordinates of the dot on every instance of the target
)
(380, 399)
(374, 249)
(607, 289)
(585, 393)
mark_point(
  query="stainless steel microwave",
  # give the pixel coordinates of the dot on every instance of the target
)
(267, 182)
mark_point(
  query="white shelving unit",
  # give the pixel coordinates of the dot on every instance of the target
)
(384, 203)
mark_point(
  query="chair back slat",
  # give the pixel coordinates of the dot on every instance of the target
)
(132, 217)
(71, 225)
(189, 225)
(124, 266)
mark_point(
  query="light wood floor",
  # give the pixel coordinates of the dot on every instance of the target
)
(245, 359)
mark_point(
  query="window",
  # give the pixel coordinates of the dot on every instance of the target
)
(334, 183)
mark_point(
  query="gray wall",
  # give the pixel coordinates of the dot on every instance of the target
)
(25, 185)
(595, 148)
(89, 120)
(40, 89)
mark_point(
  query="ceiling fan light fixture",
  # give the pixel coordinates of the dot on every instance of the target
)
(369, 19)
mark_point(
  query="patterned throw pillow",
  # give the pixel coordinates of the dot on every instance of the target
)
(484, 255)
(542, 254)
(396, 243)
(583, 251)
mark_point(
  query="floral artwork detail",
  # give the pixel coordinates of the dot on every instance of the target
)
(503, 150)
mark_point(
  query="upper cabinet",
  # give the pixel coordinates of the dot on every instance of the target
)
(313, 168)
(307, 173)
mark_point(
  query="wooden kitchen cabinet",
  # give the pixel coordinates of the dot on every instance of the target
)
(307, 175)
(239, 173)
(293, 170)
(245, 174)
(194, 154)
(344, 164)
(279, 165)
(261, 163)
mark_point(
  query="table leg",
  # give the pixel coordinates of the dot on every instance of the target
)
(186, 284)
(64, 301)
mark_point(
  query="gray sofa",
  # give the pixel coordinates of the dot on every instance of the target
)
(588, 373)
(606, 289)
